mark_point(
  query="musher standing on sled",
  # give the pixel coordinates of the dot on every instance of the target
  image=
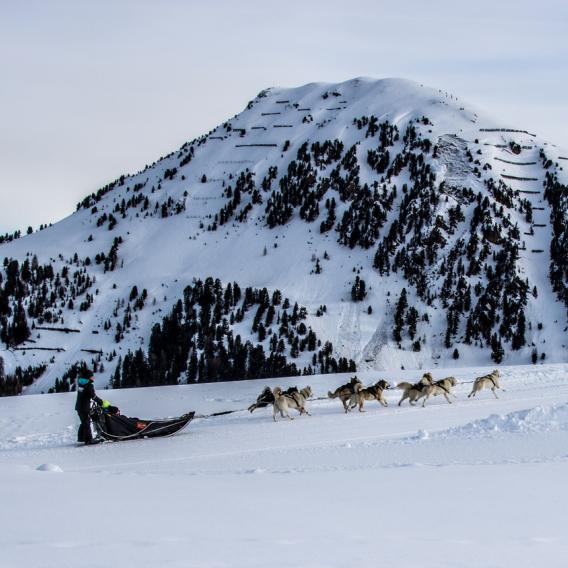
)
(86, 393)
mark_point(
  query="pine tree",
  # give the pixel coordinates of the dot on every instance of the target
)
(358, 291)
(192, 367)
(412, 321)
(519, 337)
(497, 351)
(133, 293)
(20, 328)
(116, 383)
(400, 309)
(294, 350)
(3, 385)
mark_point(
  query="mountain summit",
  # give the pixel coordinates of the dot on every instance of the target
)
(367, 224)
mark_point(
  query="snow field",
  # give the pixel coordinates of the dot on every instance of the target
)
(480, 482)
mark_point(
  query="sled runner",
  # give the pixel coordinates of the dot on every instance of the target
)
(114, 427)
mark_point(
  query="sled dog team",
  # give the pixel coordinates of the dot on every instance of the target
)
(354, 394)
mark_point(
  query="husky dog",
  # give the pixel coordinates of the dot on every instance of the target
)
(439, 387)
(296, 399)
(374, 392)
(487, 381)
(413, 392)
(345, 392)
(264, 399)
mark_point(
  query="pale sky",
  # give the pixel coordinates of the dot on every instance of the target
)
(93, 89)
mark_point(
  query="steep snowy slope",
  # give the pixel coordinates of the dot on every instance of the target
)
(311, 191)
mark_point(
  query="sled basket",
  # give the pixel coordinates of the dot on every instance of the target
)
(118, 428)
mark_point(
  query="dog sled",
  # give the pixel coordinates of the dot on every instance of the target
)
(116, 428)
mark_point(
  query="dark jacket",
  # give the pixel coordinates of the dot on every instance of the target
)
(85, 393)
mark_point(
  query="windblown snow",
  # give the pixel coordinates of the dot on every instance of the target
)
(542, 419)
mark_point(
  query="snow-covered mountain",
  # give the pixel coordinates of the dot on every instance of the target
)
(334, 197)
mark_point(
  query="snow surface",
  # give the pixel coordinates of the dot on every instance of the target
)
(165, 255)
(481, 482)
